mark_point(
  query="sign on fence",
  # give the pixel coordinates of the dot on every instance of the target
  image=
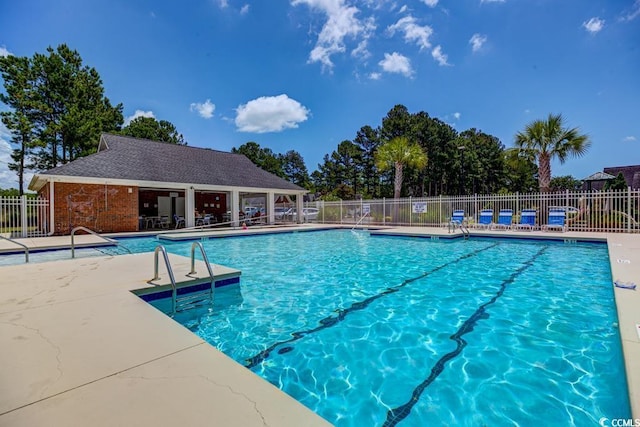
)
(419, 207)
(366, 209)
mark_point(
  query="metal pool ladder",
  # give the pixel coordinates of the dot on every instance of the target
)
(465, 231)
(192, 299)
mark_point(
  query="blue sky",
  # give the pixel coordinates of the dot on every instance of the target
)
(308, 74)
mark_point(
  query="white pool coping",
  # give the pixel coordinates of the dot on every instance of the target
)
(78, 348)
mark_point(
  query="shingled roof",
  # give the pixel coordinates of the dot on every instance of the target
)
(128, 158)
(631, 174)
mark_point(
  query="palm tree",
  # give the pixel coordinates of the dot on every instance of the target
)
(396, 153)
(545, 139)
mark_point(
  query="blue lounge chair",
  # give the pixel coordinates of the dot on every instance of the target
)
(486, 219)
(527, 220)
(556, 221)
(505, 217)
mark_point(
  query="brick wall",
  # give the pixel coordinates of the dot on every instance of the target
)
(102, 208)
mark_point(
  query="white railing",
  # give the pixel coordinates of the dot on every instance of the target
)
(24, 216)
(600, 211)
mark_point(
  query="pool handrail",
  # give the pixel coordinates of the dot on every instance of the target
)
(26, 248)
(156, 276)
(360, 220)
(88, 230)
(204, 257)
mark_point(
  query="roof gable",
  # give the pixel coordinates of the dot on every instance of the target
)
(124, 157)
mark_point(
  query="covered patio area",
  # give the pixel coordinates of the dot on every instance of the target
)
(133, 184)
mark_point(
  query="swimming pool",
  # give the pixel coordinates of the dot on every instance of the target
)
(382, 330)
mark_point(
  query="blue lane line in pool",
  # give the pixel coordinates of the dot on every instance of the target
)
(395, 415)
(342, 313)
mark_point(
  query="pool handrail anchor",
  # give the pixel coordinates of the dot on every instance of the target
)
(156, 276)
(88, 230)
(26, 248)
(204, 257)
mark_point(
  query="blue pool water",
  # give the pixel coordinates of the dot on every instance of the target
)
(384, 331)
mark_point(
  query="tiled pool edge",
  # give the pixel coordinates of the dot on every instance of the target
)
(151, 294)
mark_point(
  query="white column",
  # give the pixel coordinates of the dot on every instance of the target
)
(235, 208)
(269, 208)
(299, 205)
(52, 210)
(190, 207)
(23, 216)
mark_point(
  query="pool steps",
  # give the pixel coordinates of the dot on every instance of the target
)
(191, 299)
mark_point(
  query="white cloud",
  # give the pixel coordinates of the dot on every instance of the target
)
(413, 33)
(375, 76)
(270, 114)
(138, 113)
(4, 52)
(593, 25)
(396, 63)
(457, 115)
(9, 178)
(430, 3)
(629, 138)
(205, 109)
(403, 9)
(244, 9)
(439, 56)
(223, 4)
(362, 50)
(341, 23)
(634, 13)
(477, 41)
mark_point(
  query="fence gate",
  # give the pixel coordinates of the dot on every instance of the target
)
(24, 216)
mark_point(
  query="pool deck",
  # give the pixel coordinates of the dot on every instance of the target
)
(78, 348)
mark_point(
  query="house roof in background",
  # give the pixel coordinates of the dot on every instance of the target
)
(631, 174)
(599, 176)
(128, 158)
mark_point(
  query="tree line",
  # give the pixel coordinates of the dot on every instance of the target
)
(57, 111)
(469, 161)
(413, 154)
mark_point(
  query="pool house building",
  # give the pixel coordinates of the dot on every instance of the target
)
(130, 184)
